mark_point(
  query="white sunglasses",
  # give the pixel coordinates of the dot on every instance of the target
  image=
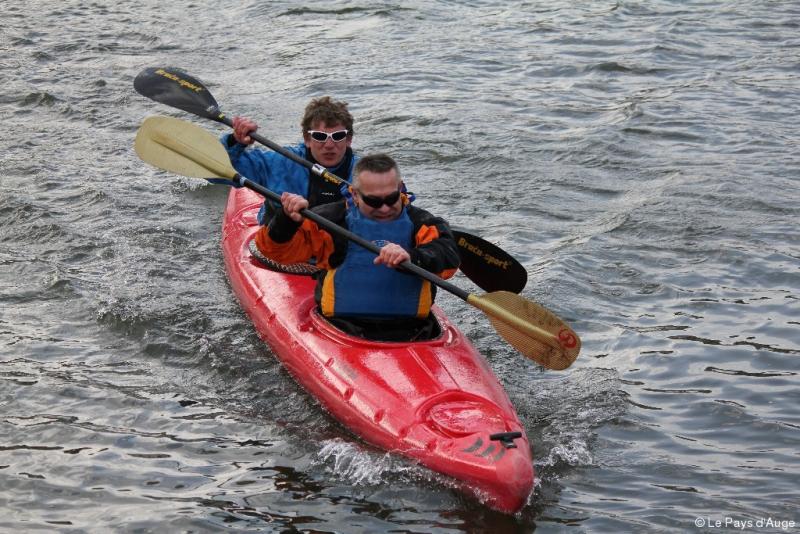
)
(322, 137)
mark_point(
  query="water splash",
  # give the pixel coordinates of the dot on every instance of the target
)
(574, 453)
(359, 466)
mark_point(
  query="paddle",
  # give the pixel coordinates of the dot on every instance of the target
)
(184, 148)
(490, 267)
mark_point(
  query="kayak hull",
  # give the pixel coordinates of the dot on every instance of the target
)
(435, 401)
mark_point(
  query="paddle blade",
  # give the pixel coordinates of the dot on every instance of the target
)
(534, 331)
(178, 89)
(182, 148)
(489, 266)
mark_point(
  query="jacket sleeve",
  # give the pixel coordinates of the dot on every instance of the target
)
(267, 168)
(436, 249)
(252, 163)
(287, 241)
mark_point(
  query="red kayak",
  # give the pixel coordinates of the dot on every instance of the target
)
(435, 401)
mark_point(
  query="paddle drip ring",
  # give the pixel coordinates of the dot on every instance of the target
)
(293, 268)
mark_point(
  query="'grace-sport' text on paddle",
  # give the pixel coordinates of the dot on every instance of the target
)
(486, 264)
(187, 149)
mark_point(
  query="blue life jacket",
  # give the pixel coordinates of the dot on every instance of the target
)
(358, 287)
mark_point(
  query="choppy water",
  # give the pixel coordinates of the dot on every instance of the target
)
(640, 158)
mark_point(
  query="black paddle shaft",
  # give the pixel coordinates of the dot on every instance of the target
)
(317, 169)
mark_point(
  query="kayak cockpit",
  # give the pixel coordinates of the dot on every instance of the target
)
(391, 329)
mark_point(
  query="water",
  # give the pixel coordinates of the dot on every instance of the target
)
(639, 158)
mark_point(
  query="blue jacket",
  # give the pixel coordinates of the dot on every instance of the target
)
(277, 172)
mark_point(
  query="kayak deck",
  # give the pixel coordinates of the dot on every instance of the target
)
(436, 401)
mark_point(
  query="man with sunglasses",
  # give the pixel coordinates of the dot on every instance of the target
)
(355, 283)
(327, 135)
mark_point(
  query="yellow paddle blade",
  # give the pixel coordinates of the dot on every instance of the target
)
(534, 331)
(183, 148)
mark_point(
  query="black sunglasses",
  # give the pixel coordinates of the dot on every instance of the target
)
(321, 137)
(377, 202)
